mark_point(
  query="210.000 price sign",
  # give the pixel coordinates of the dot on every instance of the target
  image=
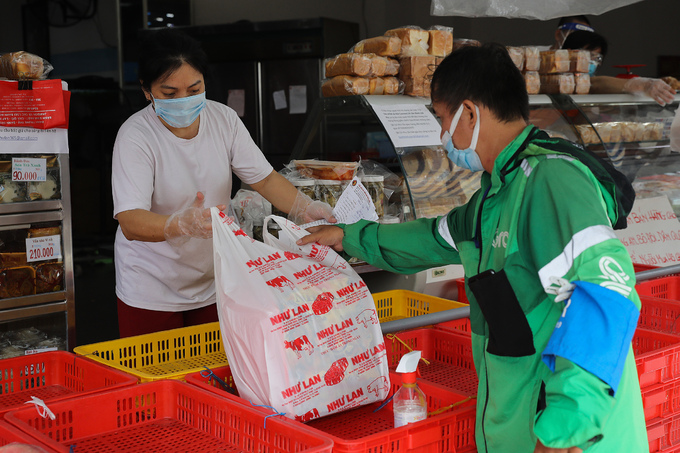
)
(43, 248)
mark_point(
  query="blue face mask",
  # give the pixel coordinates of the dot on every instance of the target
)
(180, 112)
(464, 158)
(592, 67)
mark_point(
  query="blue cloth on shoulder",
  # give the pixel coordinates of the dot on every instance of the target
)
(594, 332)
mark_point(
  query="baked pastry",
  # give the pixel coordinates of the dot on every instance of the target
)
(44, 231)
(386, 46)
(579, 60)
(558, 83)
(376, 85)
(12, 259)
(440, 42)
(582, 82)
(533, 82)
(348, 64)
(517, 56)
(392, 85)
(532, 58)
(49, 277)
(414, 41)
(554, 61)
(344, 85)
(17, 282)
(420, 87)
(23, 66)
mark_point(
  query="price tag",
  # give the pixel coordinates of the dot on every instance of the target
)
(43, 248)
(27, 169)
(38, 351)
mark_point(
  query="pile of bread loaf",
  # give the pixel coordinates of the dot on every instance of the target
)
(401, 61)
(620, 131)
(553, 71)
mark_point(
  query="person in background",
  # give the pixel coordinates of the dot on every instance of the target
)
(567, 25)
(171, 162)
(656, 89)
(553, 305)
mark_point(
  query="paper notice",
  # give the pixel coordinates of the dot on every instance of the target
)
(298, 99)
(237, 101)
(653, 233)
(279, 100)
(354, 204)
(409, 125)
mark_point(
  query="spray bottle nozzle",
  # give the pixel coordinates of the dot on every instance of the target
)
(408, 366)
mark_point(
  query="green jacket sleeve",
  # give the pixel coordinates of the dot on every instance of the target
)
(566, 209)
(404, 248)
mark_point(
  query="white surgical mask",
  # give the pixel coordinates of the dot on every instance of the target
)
(464, 158)
(180, 112)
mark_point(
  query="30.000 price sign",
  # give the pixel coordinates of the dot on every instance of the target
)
(43, 248)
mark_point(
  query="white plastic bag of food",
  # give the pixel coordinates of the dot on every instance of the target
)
(299, 325)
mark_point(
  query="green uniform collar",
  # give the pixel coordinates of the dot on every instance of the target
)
(505, 160)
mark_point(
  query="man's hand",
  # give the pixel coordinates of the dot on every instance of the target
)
(325, 235)
(540, 448)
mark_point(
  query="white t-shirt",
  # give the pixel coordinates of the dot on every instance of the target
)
(154, 170)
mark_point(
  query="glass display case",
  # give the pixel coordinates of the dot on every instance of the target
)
(631, 132)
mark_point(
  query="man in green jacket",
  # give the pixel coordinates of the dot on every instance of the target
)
(552, 300)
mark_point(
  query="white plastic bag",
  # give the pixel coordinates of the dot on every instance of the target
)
(299, 325)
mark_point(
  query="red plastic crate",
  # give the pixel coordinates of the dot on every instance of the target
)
(457, 325)
(362, 430)
(449, 353)
(9, 434)
(661, 401)
(662, 315)
(663, 287)
(164, 416)
(664, 436)
(54, 375)
(637, 267)
(657, 357)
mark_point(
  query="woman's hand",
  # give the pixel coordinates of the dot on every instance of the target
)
(192, 222)
(329, 235)
(540, 448)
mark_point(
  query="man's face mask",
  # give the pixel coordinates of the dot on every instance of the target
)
(464, 158)
(595, 62)
(180, 112)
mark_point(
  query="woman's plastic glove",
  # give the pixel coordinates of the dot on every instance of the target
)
(191, 222)
(656, 89)
(305, 210)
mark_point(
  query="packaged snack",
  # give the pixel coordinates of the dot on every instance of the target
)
(440, 42)
(344, 85)
(558, 83)
(23, 66)
(579, 60)
(17, 281)
(49, 277)
(325, 169)
(554, 61)
(328, 191)
(532, 58)
(517, 56)
(387, 46)
(414, 40)
(582, 82)
(533, 82)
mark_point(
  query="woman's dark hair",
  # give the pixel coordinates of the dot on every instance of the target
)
(485, 75)
(164, 51)
(587, 40)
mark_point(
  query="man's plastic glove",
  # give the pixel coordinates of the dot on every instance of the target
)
(656, 89)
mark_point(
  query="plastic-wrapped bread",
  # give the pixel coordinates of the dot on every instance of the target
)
(413, 40)
(615, 132)
(376, 85)
(392, 85)
(587, 134)
(440, 42)
(604, 130)
(652, 131)
(392, 67)
(558, 83)
(416, 67)
(629, 131)
(554, 61)
(579, 60)
(386, 46)
(349, 64)
(517, 56)
(533, 82)
(532, 58)
(462, 42)
(344, 85)
(23, 66)
(582, 83)
(383, 66)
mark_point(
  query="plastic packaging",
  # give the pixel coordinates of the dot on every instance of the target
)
(582, 82)
(344, 85)
(554, 61)
(375, 184)
(517, 56)
(329, 191)
(414, 40)
(533, 82)
(23, 66)
(579, 60)
(387, 46)
(558, 83)
(361, 64)
(409, 403)
(656, 89)
(440, 42)
(532, 58)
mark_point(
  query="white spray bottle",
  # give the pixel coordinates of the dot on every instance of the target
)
(409, 404)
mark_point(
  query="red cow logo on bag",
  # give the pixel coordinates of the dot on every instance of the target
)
(323, 303)
(314, 413)
(298, 345)
(379, 386)
(336, 373)
(290, 256)
(279, 282)
(240, 232)
(367, 317)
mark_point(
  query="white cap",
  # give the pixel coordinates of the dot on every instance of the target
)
(330, 182)
(302, 182)
(409, 362)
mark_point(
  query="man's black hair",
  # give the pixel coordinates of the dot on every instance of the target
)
(164, 51)
(569, 19)
(485, 75)
(588, 40)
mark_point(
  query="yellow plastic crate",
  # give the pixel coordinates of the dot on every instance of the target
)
(401, 303)
(170, 354)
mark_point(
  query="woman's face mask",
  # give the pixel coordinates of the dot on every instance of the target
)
(464, 158)
(180, 112)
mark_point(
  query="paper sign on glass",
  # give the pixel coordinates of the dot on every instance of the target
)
(409, 125)
(43, 248)
(28, 170)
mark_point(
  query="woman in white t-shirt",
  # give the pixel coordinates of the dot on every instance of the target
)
(172, 161)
